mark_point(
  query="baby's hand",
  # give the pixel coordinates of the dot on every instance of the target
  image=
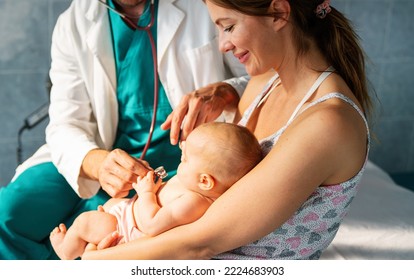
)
(146, 184)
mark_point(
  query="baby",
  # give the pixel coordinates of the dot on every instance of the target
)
(214, 157)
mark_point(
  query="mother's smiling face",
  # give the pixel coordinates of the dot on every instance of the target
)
(252, 39)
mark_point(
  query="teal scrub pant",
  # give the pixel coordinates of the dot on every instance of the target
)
(32, 205)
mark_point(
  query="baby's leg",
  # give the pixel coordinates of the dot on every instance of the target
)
(89, 227)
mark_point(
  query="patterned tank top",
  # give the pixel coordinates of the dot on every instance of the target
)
(314, 225)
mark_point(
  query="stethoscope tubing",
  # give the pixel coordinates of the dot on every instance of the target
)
(147, 29)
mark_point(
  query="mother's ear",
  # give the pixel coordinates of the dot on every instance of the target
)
(281, 11)
(206, 182)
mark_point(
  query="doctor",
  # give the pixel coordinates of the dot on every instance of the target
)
(101, 109)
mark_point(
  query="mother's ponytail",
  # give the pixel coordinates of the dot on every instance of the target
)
(334, 35)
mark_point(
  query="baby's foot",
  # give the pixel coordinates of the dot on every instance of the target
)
(57, 237)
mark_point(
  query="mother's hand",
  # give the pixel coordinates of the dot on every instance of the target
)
(201, 106)
(110, 240)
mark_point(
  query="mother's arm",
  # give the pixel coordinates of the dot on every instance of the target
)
(256, 205)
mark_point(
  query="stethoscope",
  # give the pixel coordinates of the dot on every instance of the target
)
(147, 29)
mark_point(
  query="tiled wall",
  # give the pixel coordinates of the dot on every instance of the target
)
(385, 26)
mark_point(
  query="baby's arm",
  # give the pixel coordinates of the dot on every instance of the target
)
(153, 219)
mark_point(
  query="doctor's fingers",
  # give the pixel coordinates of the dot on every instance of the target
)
(210, 111)
(119, 170)
(175, 119)
(201, 109)
(123, 165)
(114, 186)
(193, 110)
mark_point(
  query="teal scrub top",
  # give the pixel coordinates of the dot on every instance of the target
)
(135, 93)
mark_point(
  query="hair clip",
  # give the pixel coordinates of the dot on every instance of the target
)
(323, 9)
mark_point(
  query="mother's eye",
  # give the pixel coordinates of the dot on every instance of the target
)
(229, 28)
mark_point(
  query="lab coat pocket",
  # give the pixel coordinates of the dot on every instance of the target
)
(206, 63)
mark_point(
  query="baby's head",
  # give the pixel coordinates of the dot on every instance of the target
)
(219, 153)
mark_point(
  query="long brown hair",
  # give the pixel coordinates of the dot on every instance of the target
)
(334, 35)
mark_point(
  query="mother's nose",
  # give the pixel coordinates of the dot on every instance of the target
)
(225, 45)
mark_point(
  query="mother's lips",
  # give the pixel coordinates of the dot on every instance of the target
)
(242, 57)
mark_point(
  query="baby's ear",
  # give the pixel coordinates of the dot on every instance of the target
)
(206, 182)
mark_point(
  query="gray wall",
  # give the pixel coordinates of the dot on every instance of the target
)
(25, 34)
(385, 26)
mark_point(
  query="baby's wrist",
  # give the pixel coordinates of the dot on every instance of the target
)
(146, 192)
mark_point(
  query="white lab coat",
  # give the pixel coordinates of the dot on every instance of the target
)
(84, 110)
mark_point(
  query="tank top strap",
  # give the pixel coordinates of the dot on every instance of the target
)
(258, 100)
(311, 91)
(346, 99)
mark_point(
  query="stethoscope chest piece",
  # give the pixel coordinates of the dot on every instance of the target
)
(160, 173)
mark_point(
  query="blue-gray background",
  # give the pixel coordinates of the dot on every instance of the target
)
(386, 28)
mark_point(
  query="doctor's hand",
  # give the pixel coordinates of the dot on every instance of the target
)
(116, 170)
(201, 106)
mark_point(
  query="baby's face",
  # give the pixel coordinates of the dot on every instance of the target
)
(193, 161)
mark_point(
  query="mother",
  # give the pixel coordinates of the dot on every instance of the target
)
(307, 105)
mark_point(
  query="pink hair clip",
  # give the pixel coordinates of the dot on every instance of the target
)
(323, 9)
